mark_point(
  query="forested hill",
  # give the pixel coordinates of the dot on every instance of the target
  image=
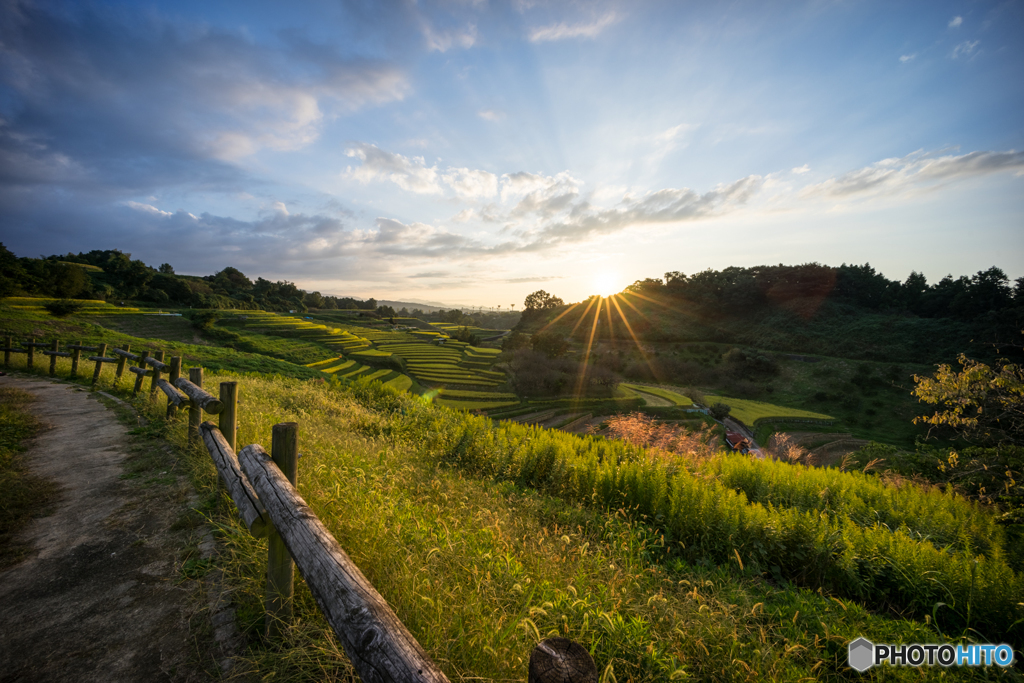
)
(112, 274)
(848, 311)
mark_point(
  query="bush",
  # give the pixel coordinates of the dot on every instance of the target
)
(720, 411)
(62, 308)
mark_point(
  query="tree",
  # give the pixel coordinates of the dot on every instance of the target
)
(541, 300)
(66, 280)
(979, 403)
(720, 411)
(550, 345)
(167, 269)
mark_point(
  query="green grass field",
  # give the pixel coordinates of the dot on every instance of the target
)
(749, 412)
(675, 398)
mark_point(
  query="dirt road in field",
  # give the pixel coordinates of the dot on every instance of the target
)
(99, 598)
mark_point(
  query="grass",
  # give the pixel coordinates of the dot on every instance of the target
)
(480, 567)
(749, 412)
(22, 495)
(676, 398)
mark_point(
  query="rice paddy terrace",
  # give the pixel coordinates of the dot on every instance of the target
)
(452, 373)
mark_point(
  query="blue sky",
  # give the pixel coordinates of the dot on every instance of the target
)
(473, 152)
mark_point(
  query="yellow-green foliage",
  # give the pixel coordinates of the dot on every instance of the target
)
(676, 399)
(748, 412)
(481, 570)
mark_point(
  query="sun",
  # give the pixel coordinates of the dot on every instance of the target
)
(606, 283)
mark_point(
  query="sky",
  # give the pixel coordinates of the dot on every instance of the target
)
(472, 152)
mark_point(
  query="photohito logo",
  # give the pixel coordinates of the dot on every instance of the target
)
(863, 654)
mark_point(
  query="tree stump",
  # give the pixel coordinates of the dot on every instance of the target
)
(560, 660)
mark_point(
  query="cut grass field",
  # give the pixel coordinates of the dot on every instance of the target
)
(748, 412)
(673, 397)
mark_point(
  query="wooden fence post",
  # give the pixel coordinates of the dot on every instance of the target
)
(159, 355)
(31, 346)
(76, 353)
(195, 412)
(142, 375)
(121, 361)
(54, 349)
(8, 345)
(560, 660)
(284, 451)
(173, 374)
(101, 352)
(228, 421)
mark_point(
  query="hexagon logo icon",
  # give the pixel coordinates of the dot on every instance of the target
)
(861, 654)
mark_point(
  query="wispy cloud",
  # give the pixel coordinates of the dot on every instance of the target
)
(965, 49)
(444, 40)
(955, 22)
(908, 58)
(471, 184)
(491, 115)
(916, 171)
(800, 170)
(564, 30)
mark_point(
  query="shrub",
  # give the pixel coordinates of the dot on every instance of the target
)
(62, 308)
(720, 411)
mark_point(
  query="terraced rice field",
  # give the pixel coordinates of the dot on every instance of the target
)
(441, 364)
(750, 411)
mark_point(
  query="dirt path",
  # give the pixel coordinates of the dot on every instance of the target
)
(99, 599)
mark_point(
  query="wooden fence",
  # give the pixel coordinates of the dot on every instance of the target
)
(262, 487)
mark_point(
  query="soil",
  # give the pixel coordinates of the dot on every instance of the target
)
(101, 596)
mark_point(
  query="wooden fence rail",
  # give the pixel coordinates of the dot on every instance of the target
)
(263, 489)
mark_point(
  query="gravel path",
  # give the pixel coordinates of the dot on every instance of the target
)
(99, 599)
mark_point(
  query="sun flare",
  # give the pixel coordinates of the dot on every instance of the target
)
(606, 284)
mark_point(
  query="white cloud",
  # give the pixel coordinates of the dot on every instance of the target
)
(907, 58)
(442, 41)
(965, 49)
(561, 31)
(491, 115)
(800, 170)
(955, 22)
(914, 171)
(409, 174)
(147, 208)
(464, 215)
(471, 184)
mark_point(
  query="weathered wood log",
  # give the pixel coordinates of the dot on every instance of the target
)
(174, 396)
(376, 642)
(156, 360)
(39, 345)
(141, 374)
(144, 372)
(172, 376)
(8, 347)
(58, 354)
(195, 412)
(77, 346)
(52, 353)
(560, 660)
(76, 353)
(228, 416)
(100, 360)
(284, 451)
(124, 353)
(242, 493)
(30, 349)
(122, 359)
(206, 401)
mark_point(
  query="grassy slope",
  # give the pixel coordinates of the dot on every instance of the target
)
(479, 569)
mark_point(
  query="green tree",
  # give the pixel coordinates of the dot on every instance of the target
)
(551, 345)
(540, 300)
(980, 403)
(720, 411)
(66, 280)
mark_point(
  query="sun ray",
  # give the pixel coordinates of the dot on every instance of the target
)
(589, 304)
(656, 302)
(560, 316)
(638, 311)
(636, 341)
(586, 354)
